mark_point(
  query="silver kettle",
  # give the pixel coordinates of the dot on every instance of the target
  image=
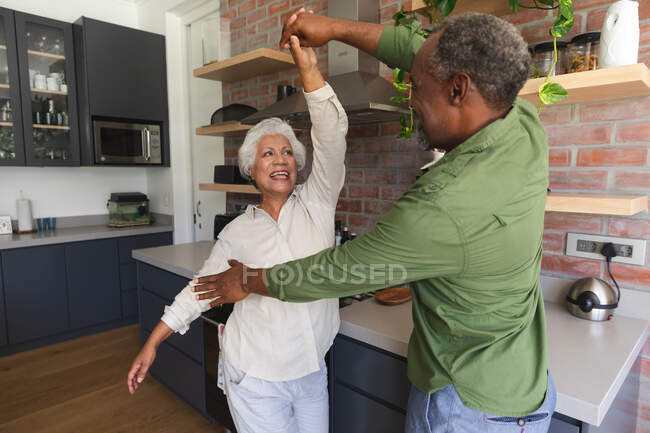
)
(592, 299)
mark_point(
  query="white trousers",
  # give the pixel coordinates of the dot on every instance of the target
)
(261, 406)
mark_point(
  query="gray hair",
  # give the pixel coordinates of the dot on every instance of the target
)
(273, 125)
(488, 49)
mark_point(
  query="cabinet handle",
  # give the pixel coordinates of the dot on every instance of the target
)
(147, 134)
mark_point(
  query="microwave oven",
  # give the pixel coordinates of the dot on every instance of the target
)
(127, 143)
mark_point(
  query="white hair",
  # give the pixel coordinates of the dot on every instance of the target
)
(273, 125)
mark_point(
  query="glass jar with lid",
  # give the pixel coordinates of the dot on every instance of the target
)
(543, 59)
(582, 52)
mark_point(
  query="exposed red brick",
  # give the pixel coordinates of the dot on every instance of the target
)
(239, 94)
(386, 13)
(318, 6)
(233, 3)
(382, 177)
(595, 20)
(387, 2)
(371, 130)
(355, 146)
(256, 16)
(261, 3)
(377, 207)
(393, 129)
(633, 132)
(644, 34)
(392, 192)
(579, 134)
(525, 16)
(361, 222)
(230, 152)
(227, 16)
(237, 23)
(278, 7)
(591, 180)
(381, 145)
(620, 109)
(622, 156)
(569, 222)
(363, 160)
(407, 177)
(629, 228)
(260, 91)
(349, 206)
(586, 4)
(632, 180)
(557, 114)
(399, 160)
(559, 157)
(540, 31)
(258, 41)
(553, 242)
(268, 24)
(353, 176)
(631, 274)
(364, 192)
(644, 10)
(343, 218)
(570, 265)
(271, 77)
(246, 7)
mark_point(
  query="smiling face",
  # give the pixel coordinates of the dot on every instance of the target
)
(274, 170)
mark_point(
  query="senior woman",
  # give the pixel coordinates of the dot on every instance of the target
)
(274, 375)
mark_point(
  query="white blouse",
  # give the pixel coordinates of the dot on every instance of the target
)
(265, 337)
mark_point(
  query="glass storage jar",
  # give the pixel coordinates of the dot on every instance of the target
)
(543, 59)
(582, 52)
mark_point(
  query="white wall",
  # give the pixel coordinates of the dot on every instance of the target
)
(71, 191)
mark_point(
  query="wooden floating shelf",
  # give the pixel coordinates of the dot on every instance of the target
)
(3, 47)
(4, 86)
(227, 187)
(596, 204)
(51, 92)
(48, 55)
(600, 85)
(224, 129)
(6, 124)
(60, 127)
(248, 65)
(492, 7)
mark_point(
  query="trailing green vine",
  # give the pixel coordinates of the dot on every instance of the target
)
(437, 10)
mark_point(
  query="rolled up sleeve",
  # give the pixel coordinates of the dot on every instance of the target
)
(398, 46)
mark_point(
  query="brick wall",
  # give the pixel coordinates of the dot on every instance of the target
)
(599, 147)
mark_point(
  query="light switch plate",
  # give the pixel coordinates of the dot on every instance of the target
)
(589, 246)
(5, 225)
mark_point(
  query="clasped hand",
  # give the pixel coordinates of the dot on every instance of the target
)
(225, 288)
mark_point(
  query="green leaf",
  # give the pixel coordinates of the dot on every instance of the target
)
(398, 75)
(565, 19)
(514, 5)
(402, 121)
(551, 93)
(446, 7)
(398, 99)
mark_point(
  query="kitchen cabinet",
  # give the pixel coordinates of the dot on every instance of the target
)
(35, 292)
(123, 76)
(93, 282)
(3, 316)
(47, 88)
(12, 149)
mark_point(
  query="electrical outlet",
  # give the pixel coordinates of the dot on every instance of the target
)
(630, 251)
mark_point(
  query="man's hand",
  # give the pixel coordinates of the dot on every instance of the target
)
(231, 285)
(312, 30)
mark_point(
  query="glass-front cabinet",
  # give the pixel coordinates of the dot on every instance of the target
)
(49, 111)
(12, 150)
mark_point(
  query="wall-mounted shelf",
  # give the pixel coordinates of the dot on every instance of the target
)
(596, 204)
(3, 47)
(62, 128)
(227, 187)
(43, 54)
(6, 124)
(600, 85)
(493, 7)
(51, 92)
(224, 129)
(244, 66)
(4, 86)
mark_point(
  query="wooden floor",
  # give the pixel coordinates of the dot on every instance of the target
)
(80, 386)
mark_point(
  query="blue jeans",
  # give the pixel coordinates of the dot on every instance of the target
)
(444, 412)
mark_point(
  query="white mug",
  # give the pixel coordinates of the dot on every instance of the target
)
(40, 81)
(64, 87)
(52, 83)
(32, 74)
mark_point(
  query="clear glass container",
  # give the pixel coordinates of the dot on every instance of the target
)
(582, 52)
(543, 59)
(128, 209)
(7, 142)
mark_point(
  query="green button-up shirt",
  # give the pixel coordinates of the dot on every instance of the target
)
(468, 235)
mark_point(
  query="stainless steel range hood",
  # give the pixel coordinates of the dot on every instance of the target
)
(353, 75)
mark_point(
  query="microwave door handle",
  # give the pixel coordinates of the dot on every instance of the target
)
(143, 139)
(147, 133)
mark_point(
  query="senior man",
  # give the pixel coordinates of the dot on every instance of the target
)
(467, 233)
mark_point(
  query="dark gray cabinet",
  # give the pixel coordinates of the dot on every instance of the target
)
(3, 316)
(93, 282)
(49, 111)
(35, 292)
(122, 74)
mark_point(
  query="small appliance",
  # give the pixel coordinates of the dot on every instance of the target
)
(228, 174)
(592, 299)
(127, 142)
(128, 209)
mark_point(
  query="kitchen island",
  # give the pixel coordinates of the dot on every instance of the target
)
(590, 361)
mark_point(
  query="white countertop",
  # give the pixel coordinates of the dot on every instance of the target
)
(589, 360)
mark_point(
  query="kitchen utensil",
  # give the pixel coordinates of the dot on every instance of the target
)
(619, 39)
(231, 112)
(592, 299)
(285, 91)
(394, 295)
(25, 220)
(52, 83)
(40, 81)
